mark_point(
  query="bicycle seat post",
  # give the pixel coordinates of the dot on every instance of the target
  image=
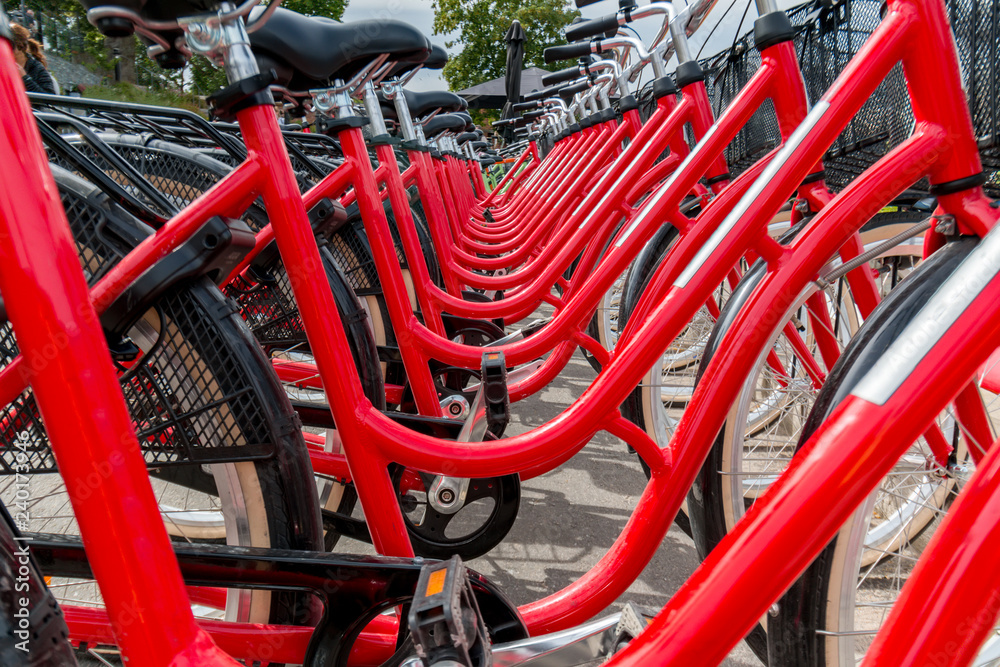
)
(374, 110)
(394, 90)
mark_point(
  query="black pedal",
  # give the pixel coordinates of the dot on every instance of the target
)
(497, 400)
(444, 619)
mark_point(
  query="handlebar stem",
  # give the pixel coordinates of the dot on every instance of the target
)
(621, 83)
(766, 7)
(654, 57)
(603, 83)
(680, 41)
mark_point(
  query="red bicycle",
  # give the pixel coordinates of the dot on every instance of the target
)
(359, 421)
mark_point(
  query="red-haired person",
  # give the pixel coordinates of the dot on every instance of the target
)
(31, 62)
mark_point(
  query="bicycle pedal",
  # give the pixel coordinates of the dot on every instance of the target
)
(634, 619)
(444, 619)
(495, 396)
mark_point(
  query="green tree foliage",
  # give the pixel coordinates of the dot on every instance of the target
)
(482, 24)
(333, 9)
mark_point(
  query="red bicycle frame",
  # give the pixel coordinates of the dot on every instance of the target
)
(418, 344)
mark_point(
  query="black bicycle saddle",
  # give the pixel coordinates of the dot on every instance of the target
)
(421, 104)
(436, 60)
(309, 52)
(445, 122)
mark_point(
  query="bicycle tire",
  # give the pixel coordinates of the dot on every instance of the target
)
(645, 405)
(812, 624)
(714, 503)
(32, 634)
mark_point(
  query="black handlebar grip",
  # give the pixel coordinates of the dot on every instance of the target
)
(584, 3)
(541, 94)
(554, 54)
(532, 115)
(606, 25)
(524, 106)
(522, 132)
(501, 123)
(575, 88)
(520, 122)
(561, 76)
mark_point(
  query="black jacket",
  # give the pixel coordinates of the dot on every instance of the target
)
(37, 78)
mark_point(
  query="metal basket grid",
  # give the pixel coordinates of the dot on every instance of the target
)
(827, 35)
(222, 418)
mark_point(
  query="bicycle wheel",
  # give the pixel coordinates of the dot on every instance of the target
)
(46, 639)
(758, 439)
(426, 240)
(212, 421)
(832, 613)
(606, 323)
(267, 305)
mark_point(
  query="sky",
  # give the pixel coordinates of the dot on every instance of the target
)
(420, 14)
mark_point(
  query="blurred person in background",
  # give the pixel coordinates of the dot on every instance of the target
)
(31, 62)
(35, 27)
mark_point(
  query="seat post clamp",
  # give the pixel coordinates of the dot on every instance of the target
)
(246, 93)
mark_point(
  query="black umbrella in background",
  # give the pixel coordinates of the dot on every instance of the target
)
(512, 81)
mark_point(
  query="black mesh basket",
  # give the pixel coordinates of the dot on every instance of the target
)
(190, 394)
(827, 35)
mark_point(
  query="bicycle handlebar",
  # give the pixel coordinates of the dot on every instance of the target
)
(563, 75)
(606, 26)
(575, 88)
(541, 94)
(556, 53)
(695, 13)
(525, 106)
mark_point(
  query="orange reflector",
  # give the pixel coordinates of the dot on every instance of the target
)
(435, 583)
